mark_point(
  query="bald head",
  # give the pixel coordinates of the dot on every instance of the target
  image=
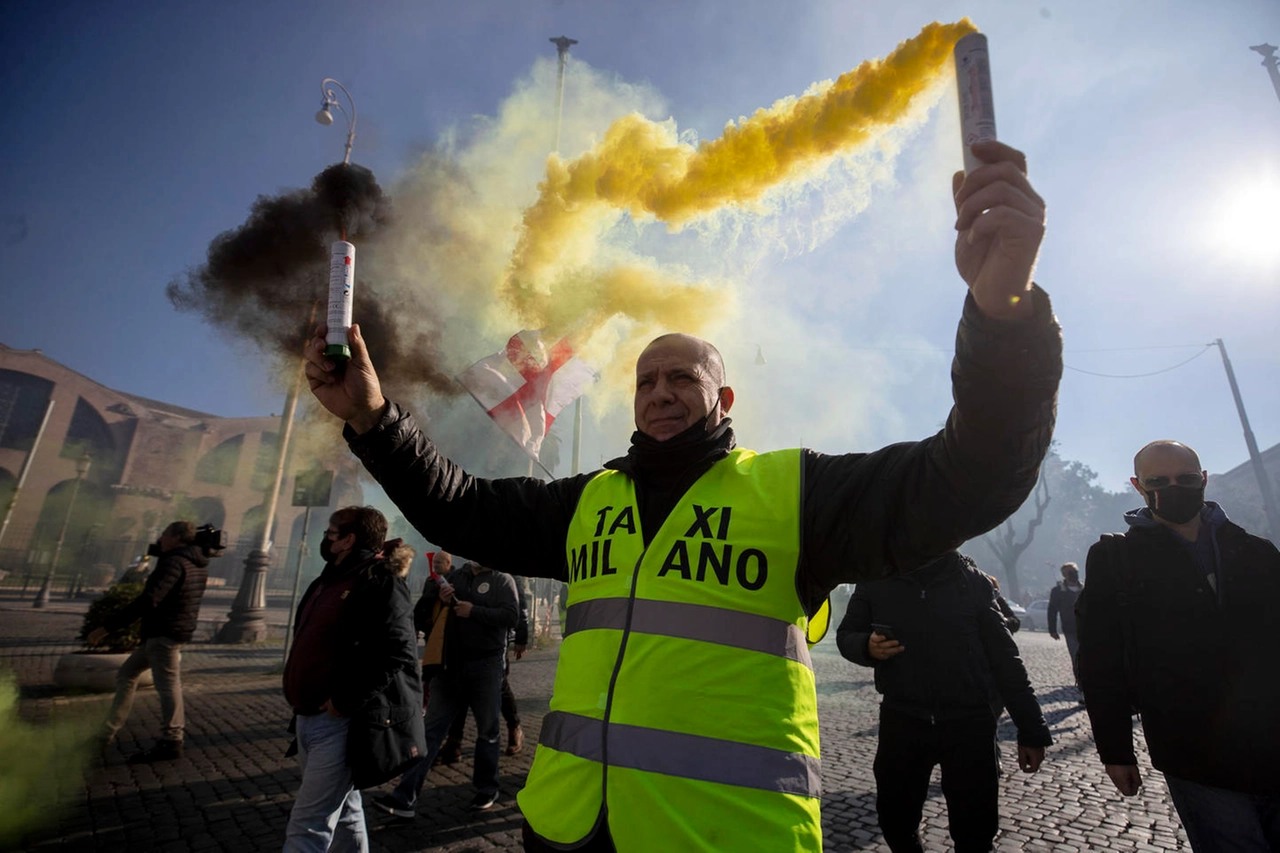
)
(702, 351)
(1165, 451)
(680, 380)
(1166, 463)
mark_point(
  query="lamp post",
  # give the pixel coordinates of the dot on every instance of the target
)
(82, 468)
(325, 116)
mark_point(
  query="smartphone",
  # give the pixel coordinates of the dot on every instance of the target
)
(885, 631)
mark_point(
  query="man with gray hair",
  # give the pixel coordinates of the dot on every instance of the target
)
(1177, 624)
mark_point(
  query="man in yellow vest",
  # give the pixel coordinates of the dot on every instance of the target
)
(684, 714)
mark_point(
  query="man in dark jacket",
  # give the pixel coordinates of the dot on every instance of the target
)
(1062, 605)
(352, 681)
(853, 517)
(482, 607)
(517, 642)
(940, 649)
(168, 606)
(1178, 623)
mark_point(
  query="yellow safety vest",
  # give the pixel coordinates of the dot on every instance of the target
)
(684, 700)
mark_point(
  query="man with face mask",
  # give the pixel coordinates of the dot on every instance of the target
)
(352, 681)
(684, 713)
(1178, 623)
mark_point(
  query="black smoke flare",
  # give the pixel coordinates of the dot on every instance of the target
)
(261, 279)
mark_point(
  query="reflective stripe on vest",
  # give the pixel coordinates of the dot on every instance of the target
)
(694, 622)
(684, 710)
(688, 756)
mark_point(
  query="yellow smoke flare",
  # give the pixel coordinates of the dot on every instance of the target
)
(640, 167)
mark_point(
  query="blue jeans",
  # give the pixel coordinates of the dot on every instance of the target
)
(474, 683)
(328, 813)
(1228, 821)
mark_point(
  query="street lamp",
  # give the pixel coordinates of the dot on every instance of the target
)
(325, 117)
(82, 468)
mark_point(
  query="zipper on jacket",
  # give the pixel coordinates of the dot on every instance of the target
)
(613, 681)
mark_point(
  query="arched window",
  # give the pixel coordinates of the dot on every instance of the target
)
(219, 465)
(23, 399)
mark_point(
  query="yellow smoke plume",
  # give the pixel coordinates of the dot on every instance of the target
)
(641, 168)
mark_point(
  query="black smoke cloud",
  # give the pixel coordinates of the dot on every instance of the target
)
(261, 279)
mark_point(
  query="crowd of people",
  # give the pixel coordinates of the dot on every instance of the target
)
(684, 714)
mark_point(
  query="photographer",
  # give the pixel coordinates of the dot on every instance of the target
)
(168, 606)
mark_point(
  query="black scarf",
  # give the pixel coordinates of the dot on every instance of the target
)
(664, 470)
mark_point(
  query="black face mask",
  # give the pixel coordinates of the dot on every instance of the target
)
(1176, 504)
(326, 549)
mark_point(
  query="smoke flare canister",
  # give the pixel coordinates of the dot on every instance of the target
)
(342, 277)
(973, 88)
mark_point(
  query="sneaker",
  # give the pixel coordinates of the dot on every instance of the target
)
(480, 802)
(450, 752)
(164, 750)
(515, 739)
(392, 806)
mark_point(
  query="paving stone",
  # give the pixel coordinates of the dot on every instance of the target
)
(234, 788)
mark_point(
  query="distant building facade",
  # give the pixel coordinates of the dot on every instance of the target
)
(150, 463)
(1237, 490)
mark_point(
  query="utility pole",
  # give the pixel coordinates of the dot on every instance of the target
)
(563, 43)
(1269, 62)
(1264, 479)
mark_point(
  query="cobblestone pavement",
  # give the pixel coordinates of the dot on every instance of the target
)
(233, 789)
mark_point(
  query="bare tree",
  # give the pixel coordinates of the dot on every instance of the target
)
(1004, 540)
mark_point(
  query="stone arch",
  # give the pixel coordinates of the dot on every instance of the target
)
(89, 515)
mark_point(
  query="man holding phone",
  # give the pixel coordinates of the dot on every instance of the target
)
(940, 650)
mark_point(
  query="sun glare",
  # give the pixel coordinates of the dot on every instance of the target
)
(1246, 224)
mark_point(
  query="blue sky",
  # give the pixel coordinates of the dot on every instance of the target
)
(136, 132)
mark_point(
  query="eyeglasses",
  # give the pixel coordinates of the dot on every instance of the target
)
(1188, 480)
(332, 534)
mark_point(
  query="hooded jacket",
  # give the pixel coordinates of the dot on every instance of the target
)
(957, 650)
(1196, 658)
(373, 677)
(169, 604)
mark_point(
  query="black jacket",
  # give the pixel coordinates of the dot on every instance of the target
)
(375, 677)
(495, 612)
(169, 604)
(1201, 667)
(957, 651)
(864, 515)
(1062, 606)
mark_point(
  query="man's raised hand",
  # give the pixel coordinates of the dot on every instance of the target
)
(1000, 223)
(352, 393)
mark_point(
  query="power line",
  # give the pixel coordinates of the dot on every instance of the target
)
(1141, 375)
(1137, 349)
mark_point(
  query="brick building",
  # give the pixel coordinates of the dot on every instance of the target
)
(150, 463)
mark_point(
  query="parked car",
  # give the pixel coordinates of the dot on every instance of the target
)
(1037, 617)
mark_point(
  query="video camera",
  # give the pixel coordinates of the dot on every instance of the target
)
(209, 539)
